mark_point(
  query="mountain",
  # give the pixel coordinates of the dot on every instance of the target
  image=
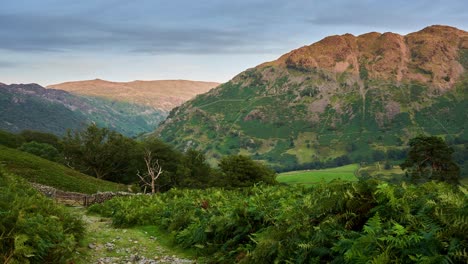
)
(344, 97)
(30, 106)
(163, 95)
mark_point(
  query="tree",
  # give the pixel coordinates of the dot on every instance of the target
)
(195, 170)
(100, 152)
(153, 171)
(43, 150)
(41, 137)
(242, 171)
(430, 158)
(10, 140)
(168, 158)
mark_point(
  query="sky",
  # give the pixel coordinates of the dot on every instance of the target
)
(53, 41)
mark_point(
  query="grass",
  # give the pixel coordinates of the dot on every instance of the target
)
(345, 173)
(36, 169)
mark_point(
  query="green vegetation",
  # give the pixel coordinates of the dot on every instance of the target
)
(10, 140)
(337, 222)
(53, 111)
(42, 150)
(109, 155)
(345, 173)
(429, 158)
(34, 229)
(36, 169)
(100, 152)
(296, 120)
(242, 171)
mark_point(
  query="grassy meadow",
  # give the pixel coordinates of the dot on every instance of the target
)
(346, 173)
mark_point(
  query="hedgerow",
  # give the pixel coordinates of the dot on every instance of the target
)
(338, 222)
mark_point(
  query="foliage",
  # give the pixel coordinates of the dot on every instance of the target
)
(358, 222)
(41, 137)
(100, 152)
(33, 229)
(10, 140)
(195, 171)
(242, 171)
(430, 158)
(42, 171)
(43, 150)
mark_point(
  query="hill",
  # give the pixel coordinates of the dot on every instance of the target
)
(35, 169)
(163, 95)
(30, 106)
(344, 97)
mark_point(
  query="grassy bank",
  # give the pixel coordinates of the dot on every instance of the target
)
(36, 169)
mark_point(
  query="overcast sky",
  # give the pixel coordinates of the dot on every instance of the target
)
(51, 41)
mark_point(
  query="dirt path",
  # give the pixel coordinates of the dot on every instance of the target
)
(106, 244)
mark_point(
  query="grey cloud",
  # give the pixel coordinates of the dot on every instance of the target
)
(394, 15)
(204, 26)
(8, 64)
(56, 33)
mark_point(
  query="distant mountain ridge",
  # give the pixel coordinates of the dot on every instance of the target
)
(161, 94)
(31, 106)
(362, 97)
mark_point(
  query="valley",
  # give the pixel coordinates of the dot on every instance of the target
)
(132, 108)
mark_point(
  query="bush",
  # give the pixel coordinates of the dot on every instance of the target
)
(360, 222)
(33, 229)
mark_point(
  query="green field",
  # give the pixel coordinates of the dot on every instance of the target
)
(36, 169)
(314, 176)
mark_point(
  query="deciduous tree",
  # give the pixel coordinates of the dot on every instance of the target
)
(100, 152)
(430, 158)
(242, 171)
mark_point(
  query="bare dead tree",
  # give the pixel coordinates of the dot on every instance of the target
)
(153, 171)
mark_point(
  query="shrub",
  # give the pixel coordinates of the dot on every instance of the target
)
(359, 222)
(33, 229)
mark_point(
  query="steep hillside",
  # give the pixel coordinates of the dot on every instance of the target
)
(362, 97)
(30, 106)
(163, 95)
(35, 169)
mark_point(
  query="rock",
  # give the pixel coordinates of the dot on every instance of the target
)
(109, 246)
(91, 245)
(134, 257)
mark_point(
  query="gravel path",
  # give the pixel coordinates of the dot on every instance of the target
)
(105, 244)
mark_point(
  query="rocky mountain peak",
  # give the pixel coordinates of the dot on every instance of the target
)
(428, 56)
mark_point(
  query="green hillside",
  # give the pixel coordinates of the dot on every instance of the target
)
(306, 107)
(346, 173)
(32, 107)
(42, 171)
